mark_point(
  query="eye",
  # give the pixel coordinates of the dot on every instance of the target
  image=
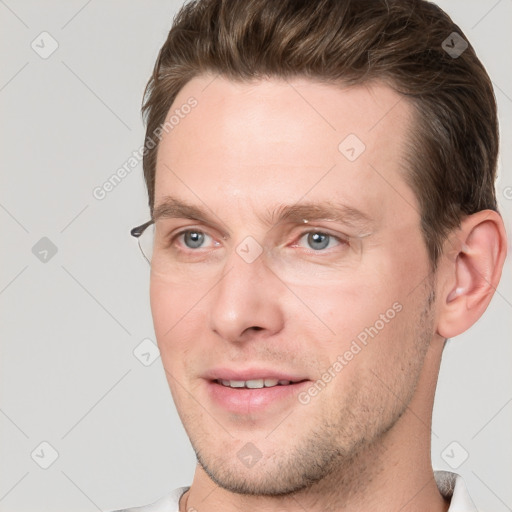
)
(317, 240)
(193, 239)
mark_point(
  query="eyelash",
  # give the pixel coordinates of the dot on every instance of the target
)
(342, 240)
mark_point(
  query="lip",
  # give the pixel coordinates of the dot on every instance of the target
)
(251, 374)
(245, 401)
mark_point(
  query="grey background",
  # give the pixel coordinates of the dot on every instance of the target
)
(70, 324)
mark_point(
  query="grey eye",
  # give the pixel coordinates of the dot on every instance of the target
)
(193, 239)
(318, 241)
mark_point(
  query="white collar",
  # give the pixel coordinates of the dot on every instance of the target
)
(452, 487)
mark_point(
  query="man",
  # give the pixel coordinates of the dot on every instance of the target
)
(323, 217)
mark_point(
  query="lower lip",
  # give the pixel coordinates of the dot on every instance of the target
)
(245, 400)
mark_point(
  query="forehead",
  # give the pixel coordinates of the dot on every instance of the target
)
(273, 141)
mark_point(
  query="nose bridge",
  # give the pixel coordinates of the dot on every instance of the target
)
(247, 295)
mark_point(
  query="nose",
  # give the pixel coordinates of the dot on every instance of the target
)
(247, 301)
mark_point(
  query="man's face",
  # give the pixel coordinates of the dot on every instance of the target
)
(250, 293)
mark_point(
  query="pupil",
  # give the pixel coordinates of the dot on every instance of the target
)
(321, 240)
(194, 239)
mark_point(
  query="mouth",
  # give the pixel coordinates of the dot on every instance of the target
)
(255, 396)
(255, 383)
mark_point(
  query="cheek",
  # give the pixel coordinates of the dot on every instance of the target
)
(161, 307)
(344, 307)
(360, 324)
(369, 361)
(172, 304)
(171, 315)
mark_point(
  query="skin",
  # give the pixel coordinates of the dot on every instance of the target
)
(363, 442)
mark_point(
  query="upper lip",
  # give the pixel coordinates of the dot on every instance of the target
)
(251, 374)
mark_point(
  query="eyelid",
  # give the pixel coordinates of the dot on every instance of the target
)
(173, 237)
(172, 229)
(342, 238)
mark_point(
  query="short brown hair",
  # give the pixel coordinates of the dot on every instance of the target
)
(454, 144)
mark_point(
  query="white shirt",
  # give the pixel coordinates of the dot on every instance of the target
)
(450, 485)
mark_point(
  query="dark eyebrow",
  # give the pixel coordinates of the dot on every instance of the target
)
(172, 207)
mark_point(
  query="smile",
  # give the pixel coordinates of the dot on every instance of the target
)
(253, 383)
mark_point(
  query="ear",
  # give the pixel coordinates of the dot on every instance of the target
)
(470, 271)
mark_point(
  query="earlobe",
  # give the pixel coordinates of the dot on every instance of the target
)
(473, 275)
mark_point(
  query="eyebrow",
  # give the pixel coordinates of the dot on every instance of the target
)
(171, 207)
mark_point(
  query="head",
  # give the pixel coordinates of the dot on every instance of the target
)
(325, 210)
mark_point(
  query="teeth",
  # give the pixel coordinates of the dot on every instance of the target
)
(254, 383)
(234, 383)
